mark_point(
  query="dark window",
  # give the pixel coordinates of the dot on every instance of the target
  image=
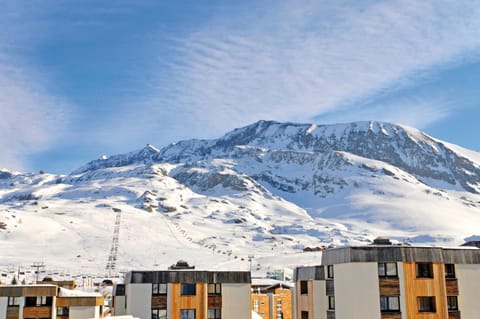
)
(13, 302)
(424, 270)
(188, 290)
(304, 314)
(62, 311)
(450, 271)
(187, 314)
(330, 271)
(159, 289)
(159, 313)
(38, 301)
(214, 289)
(389, 303)
(452, 302)
(426, 304)
(119, 290)
(387, 270)
(214, 313)
(331, 303)
(304, 287)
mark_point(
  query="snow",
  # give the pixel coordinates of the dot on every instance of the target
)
(268, 199)
(77, 293)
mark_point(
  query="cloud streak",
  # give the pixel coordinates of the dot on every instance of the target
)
(301, 60)
(32, 119)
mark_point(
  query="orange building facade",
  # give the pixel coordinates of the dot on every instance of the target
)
(274, 302)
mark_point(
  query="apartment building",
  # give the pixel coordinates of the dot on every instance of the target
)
(184, 293)
(48, 302)
(73, 304)
(272, 302)
(385, 281)
(27, 301)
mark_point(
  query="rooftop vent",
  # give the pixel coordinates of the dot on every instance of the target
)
(181, 264)
(382, 241)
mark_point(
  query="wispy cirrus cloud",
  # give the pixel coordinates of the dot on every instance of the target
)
(303, 59)
(31, 118)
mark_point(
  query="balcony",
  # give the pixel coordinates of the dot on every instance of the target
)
(452, 287)
(37, 312)
(13, 312)
(454, 315)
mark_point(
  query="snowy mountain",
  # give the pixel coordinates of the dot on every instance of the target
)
(256, 197)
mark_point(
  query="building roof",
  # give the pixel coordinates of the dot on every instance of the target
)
(188, 276)
(400, 253)
(28, 290)
(388, 253)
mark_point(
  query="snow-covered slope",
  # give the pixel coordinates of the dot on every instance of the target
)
(255, 197)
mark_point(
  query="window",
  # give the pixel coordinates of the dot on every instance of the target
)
(424, 270)
(38, 301)
(187, 314)
(255, 306)
(13, 301)
(304, 314)
(452, 302)
(450, 271)
(426, 304)
(159, 313)
(304, 287)
(62, 311)
(279, 304)
(119, 290)
(330, 271)
(214, 289)
(389, 303)
(188, 290)
(159, 289)
(387, 270)
(214, 313)
(331, 303)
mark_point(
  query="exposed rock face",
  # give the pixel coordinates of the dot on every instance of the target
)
(320, 146)
(408, 149)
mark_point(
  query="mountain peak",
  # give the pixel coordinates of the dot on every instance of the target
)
(144, 155)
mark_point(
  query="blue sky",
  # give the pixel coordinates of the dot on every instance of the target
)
(79, 79)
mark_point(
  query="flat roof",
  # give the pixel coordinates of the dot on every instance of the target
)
(401, 253)
(187, 276)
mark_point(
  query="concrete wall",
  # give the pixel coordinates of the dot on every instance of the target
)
(139, 300)
(3, 307)
(469, 289)
(83, 312)
(320, 301)
(401, 281)
(236, 301)
(356, 291)
(119, 308)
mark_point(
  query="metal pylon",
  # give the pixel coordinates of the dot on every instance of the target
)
(112, 257)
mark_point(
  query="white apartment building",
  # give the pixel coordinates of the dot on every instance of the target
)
(184, 293)
(385, 281)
